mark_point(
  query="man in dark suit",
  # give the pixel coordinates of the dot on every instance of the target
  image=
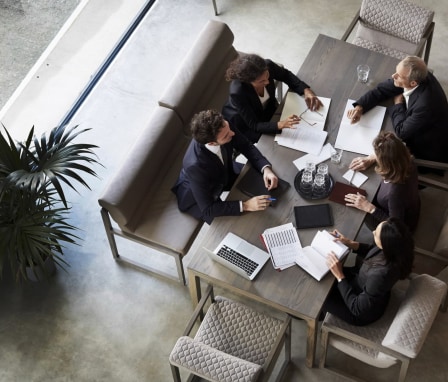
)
(420, 111)
(208, 170)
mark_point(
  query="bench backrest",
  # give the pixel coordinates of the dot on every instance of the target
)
(200, 81)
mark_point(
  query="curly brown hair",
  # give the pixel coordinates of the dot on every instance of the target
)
(246, 68)
(392, 156)
(205, 126)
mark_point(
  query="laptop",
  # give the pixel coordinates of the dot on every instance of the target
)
(239, 255)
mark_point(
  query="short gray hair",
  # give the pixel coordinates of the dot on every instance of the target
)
(418, 69)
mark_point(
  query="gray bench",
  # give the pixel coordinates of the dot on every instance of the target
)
(137, 204)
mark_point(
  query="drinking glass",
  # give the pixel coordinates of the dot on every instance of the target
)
(319, 186)
(336, 156)
(323, 169)
(363, 73)
(310, 167)
(306, 183)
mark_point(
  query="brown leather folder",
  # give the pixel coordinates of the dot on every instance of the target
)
(341, 189)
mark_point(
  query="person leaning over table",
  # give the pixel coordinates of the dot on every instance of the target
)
(252, 103)
(208, 169)
(362, 293)
(397, 195)
(420, 111)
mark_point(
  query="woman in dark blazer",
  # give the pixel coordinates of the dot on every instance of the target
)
(361, 295)
(252, 103)
(398, 193)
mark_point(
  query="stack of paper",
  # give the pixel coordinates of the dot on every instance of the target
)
(309, 135)
(358, 137)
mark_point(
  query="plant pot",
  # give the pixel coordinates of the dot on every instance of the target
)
(39, 274)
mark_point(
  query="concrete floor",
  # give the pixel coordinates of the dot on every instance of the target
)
(102, 321)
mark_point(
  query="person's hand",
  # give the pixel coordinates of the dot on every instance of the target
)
(289, 123)
(270, 179)
(399, 99)
(362, 163)
(335, 266)
(338, 236)
(355, 114)
(358, 201)
(312, 102)
(257, 203)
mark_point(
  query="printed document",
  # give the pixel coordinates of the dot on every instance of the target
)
(283, 244)
(358, 137)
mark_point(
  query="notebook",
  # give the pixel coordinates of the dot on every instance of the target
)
(341, 189)
(239, 255)
(252, 184)
(313, 216)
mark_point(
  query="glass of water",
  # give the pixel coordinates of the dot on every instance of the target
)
(319, 186)
(306, 183)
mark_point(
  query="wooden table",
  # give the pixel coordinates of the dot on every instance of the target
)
(330, 68)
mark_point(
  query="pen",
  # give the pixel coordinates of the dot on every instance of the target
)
(271, 199)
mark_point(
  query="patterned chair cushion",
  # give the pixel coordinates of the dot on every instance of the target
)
(236, 329)
(212, 364)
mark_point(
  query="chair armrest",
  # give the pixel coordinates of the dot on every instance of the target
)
(431, 164)
(425, 252)
(199, 310)
(351, 26)
(212, 364)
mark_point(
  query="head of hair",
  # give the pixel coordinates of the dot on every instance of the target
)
(246, 68)
(398, 245)
(392, 156)
(418, 71)
(205, 126)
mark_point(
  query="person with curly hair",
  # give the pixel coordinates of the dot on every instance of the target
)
(252, 102)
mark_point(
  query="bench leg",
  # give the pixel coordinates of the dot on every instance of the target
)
(216, 8)
(109, 232)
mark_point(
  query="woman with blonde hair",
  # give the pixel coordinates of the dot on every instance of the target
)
(397, 195)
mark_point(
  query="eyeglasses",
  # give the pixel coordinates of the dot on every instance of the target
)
(304, 120)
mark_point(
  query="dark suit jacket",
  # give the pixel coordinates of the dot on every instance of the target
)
(423, 125)
(364, 293)
(244, 110)
(204, 177)
(400, 201)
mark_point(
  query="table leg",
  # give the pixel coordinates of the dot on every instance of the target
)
(194, 283)
(311, 342)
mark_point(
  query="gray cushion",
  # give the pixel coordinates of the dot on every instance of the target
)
(138, 197)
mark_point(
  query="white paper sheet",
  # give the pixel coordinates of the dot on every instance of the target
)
(324, 154)
(355, 177)
(308, 139)
(358, 137)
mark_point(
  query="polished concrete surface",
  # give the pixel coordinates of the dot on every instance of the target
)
(100, 320)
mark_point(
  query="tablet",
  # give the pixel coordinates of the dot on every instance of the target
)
(313, 216)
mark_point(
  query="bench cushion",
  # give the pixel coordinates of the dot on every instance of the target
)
(139, 197)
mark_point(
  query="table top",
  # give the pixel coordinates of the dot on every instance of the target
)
(330, 69)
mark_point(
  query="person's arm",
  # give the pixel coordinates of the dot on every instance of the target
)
(243, 100)
(396, 203)
(409, 125)
(373, 295)
(294, 83)
(385, 90)
(206, 193)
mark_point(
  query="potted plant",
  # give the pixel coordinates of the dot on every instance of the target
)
(33, 208)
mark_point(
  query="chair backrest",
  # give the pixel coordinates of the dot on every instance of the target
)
(415, 315)
(398, 18)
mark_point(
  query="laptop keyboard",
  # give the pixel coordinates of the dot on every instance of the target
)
(237, 259)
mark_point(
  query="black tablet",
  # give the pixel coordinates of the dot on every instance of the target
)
(313, 216)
